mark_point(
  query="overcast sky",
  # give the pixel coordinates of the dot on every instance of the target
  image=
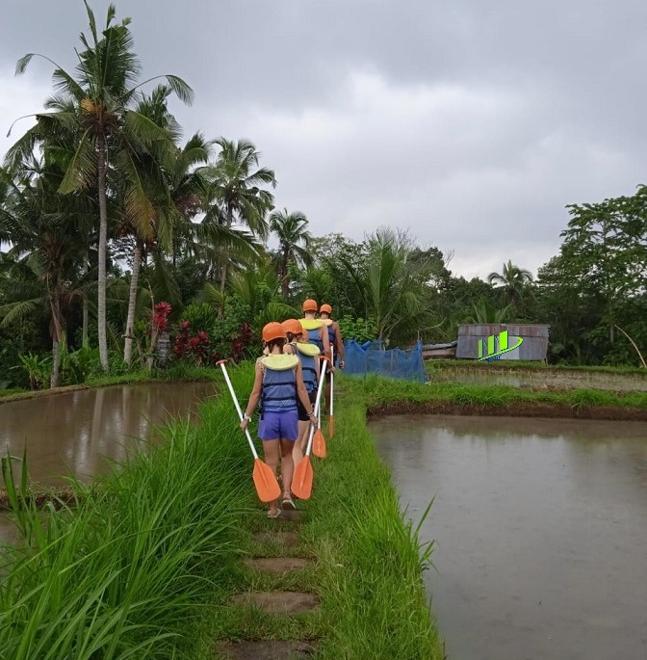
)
(470, 123)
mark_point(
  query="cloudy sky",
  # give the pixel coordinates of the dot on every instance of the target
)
(470, 123)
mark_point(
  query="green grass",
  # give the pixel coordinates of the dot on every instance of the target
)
(381, 391)
(145, 564)
(129, 572)
(370, 561)
(524, 365)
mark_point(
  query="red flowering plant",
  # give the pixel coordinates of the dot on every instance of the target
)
(192, 346)
(161, 312)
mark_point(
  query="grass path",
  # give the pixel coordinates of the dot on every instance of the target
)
(365, 565)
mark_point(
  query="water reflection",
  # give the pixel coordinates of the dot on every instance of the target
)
(80, 433)
(541, 528)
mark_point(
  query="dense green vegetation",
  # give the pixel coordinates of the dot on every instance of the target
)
(106, 214)
(145, 564)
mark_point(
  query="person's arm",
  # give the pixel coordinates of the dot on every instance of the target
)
(254, 396)
(325, 341)
(340, 344)
(302, 393)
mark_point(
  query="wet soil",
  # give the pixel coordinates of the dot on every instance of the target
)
(516, 409)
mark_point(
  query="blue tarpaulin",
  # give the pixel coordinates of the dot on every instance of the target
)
(372, 358)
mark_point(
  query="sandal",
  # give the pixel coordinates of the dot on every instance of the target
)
(287, 503)
(273, 513)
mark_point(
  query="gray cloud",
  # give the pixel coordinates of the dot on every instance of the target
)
(470, 123)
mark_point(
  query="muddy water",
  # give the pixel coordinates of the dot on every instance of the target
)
(80, 433)
(541, 378)
(541, 530)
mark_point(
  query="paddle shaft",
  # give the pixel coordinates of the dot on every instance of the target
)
(317, 404)
(238, 410)
(332, 379)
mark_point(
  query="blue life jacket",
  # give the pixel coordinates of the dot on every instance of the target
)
(308, 370)
(279, 390)
(314, 337)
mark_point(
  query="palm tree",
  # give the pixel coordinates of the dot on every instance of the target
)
(390, 287)
(512, 280)
(97, 105)
(46, 257)
(235, 191)
(484, 312)
(294, 238)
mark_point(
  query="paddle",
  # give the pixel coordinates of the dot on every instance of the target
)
(319, 442)
(331, 416)
(303, 474)
(267, 487)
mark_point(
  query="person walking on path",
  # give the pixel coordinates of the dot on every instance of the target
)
(279, 386)
(308, 354)
(314, 327)
(334, 333)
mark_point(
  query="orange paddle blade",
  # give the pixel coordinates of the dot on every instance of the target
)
(331, 426)
(267, 486)
(302, 479)
(319, 445)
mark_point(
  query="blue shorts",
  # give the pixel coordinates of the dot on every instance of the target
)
(279, 426)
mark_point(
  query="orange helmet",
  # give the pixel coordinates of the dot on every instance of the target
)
(272, 331)
(292, 326)
(325, 308)
(310, 305)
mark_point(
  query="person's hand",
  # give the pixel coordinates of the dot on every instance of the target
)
(314, 420)
(244, 422)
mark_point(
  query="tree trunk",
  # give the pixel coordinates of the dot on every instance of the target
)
(55, 377)
(223, 272)
(223, 277)
(103, 248)
(85, 339)
(132, 304)
(285, 282)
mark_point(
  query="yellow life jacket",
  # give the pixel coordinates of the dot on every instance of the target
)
(311, 324)
(280, 362)
(311, 350)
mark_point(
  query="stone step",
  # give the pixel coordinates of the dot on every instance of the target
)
(266, 650)
(277, 565)
(279, 602)
(283, 538)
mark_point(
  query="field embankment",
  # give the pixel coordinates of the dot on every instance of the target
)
(144, 562)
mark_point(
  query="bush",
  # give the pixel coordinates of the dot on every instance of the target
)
(360, 330)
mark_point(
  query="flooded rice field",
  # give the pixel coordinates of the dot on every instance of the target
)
(538, 378)
(80, 433)
(541, 531)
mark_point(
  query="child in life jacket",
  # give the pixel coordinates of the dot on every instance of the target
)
(334, 334)
(278, 385)
(315, 328)
(308, 354)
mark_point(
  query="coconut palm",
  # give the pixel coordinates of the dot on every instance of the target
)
(512, 280)
(389, 286)
(46, 260)
(236, 192)
(98, 106)
(292, 231)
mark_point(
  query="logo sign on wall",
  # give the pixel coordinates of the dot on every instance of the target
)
(494, 346)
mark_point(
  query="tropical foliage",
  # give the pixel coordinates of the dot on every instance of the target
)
(106, 212)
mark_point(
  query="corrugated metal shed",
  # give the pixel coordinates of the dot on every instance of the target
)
(533, 347)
